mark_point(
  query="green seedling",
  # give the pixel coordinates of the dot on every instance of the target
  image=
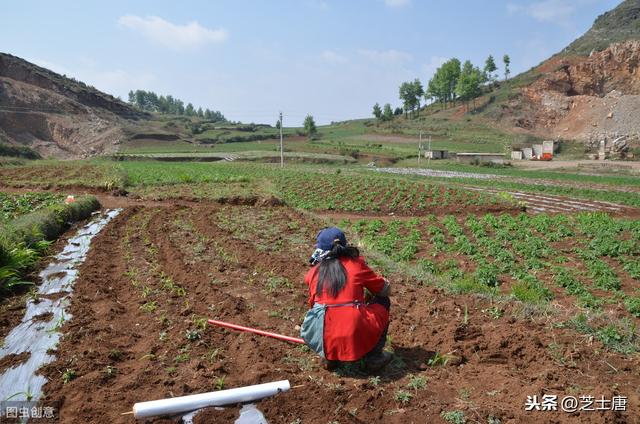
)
(58, 325)
(374, 381)
(164, 320)
(149, 307)
(193, 335)
(214, 354)
(28, 395)
(453, 417)
(494, 312)
(438, 360)
(403, 396)
(68, 375)
(200, 323)
(146, 291)
(182, 357)
(417, 382)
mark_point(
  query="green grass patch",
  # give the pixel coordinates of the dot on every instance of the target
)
(24, 239)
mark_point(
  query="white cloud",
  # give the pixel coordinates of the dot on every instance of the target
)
(387, 57)
(329, 56)
(553, 11)
(171, 35)
(397, 3)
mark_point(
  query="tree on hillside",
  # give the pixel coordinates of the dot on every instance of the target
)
(310, 126)
(377, 111)
(489, 68)
(151, 102)
(442, 86)
(468, 87)
(418, 92)
(278, 124)
(406, 94)
(200, 113)
(397, 111)
(189, 111)
(410, 93)
(387, 113)
(507, 61)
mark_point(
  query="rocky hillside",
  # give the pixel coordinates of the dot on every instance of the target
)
(617, 25)
(55, 115)
(587, 97)
(589, 92)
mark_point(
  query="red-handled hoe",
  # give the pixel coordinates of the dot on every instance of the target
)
(256, 331)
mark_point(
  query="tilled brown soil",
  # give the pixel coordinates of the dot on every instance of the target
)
(154, 273)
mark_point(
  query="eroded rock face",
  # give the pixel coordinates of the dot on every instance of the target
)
(585, 86)
(615, 68)
(57, 116)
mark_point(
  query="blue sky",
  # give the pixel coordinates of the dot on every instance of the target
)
(250, 59)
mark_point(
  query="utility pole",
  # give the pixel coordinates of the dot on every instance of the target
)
(281, 145)
(420, 147)
(429, 157)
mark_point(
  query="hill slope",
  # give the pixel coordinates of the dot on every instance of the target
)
(617, 25)
(55, 115)
(589, 92)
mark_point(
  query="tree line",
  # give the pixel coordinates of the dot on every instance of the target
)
(451, 82)
(151, 102)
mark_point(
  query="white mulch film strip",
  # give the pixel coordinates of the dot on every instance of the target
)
(21, 382)
(541, 203)
(436, 173)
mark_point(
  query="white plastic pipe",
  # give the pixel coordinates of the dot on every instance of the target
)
(180, 404)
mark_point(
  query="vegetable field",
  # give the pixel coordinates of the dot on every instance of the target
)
(588, 261)
(491, 304)
(382, 195)
(13, 205)
(176, 266)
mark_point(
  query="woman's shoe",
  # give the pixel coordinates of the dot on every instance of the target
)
(329, 365)
(376, 362)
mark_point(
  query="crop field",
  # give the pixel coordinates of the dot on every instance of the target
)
(490, 303)
(381, 195)
(169, 268)
(13, 205)
(587, 262)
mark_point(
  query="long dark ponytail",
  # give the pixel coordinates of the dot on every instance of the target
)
(331, 273)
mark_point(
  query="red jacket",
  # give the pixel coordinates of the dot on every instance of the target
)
(350, 332)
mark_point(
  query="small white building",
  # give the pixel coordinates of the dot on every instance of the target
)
(516, 155)
(436, 154)
(537, 150)
(480, 157)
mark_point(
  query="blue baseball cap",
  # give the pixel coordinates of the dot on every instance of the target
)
(327, 236)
